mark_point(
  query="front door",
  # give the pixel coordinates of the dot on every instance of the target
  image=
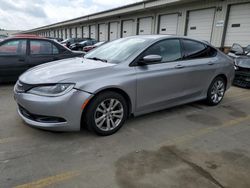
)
(163, 83)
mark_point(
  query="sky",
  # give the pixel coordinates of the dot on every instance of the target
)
(28, 14)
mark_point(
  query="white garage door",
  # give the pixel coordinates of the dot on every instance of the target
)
(93, 32)
(102, 32)
(113, 31)
(145, 26)
(85, 32)
(238, 28)
(69, 33)
(168, 24)
(79, 32)
(127, 28)
(200, 24)
(73, 32)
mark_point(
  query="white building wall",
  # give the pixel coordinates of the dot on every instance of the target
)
(144, 10)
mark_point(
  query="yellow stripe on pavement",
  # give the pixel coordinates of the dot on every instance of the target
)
(50, 180)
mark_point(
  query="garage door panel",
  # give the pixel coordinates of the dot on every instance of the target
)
(85, 32)
(79, 32)
(238, 27)
(168, 24)
(102, 32)
(93, 31)
(145, 26)
(113, 31)
(127, 28)
(200, 24)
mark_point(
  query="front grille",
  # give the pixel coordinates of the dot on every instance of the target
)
(21, 87)
(40, 118)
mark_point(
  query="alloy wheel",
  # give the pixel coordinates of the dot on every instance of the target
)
(109, 114)
(217, 91)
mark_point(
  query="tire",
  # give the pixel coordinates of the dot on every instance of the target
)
(106, 113)
(216, 91)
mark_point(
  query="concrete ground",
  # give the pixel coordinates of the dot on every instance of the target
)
(190, 146)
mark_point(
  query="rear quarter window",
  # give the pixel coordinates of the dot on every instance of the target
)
(194, 50)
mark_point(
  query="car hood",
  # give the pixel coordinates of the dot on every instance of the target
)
(61, 71)
(243, 62)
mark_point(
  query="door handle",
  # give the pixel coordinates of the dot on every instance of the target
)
(179, 66)
(210, 63)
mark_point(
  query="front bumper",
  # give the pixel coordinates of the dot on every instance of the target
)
(61, 113)
(242, 79)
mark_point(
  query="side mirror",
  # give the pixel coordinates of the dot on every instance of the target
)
(237, 49)
(151, 59)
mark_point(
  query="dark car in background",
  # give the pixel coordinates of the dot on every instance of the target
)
(69, 41)
(241, 58)
(88, 48)
(19, 53)
(80, 45)
(55, 39)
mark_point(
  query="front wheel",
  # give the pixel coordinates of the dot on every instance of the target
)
(106, 113)
(216, 91)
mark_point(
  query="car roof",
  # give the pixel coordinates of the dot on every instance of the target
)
(24, 36)
(161, 36)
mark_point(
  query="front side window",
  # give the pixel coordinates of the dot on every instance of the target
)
(39, 47)
(194, 50)
(169, 50)
(13, 47)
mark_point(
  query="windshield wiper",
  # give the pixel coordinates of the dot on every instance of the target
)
(98, 59)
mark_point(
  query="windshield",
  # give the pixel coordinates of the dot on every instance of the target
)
(119, 50)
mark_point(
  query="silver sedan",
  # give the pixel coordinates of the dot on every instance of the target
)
(128, 76)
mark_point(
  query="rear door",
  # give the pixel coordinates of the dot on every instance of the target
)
(13, 59)
(42, 51)
(200, 64)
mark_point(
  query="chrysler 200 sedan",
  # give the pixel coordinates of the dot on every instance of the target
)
(128, 76)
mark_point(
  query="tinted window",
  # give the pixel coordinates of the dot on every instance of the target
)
(13, 47)
(193, 50)
(169, 50)
(39, 47)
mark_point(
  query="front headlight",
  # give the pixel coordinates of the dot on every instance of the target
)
(52, 90)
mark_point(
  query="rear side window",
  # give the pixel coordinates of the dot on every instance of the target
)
(39, 47)
(195, 50)
(13, 47)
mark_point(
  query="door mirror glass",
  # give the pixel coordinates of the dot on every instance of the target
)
(237, 49)
(152, 59)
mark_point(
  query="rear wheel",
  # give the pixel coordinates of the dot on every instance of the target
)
(106, 113)
(216, 91)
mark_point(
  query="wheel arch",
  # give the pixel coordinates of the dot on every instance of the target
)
(114, 89)
(224, 78)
